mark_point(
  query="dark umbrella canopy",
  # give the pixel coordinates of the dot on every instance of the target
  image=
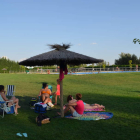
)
(60, 54)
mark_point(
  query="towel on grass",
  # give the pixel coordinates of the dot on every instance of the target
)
(87, 116)
(96, 109)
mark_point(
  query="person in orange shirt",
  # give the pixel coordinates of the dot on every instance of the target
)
(45, 94)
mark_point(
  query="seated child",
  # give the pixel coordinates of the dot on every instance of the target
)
(57, 93)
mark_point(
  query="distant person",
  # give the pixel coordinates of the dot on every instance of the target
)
(117, 68)
(14, 99)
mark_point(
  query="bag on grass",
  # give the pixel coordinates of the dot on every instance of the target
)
(42, 119)
(40, 109)
(32, 102)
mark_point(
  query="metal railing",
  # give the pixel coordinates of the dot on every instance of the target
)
(77, 70)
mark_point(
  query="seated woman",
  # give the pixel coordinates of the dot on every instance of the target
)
(45, 93)
(86, 106)
(76, 108)
(14, 99)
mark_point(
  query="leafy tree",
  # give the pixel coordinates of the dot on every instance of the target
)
(22, 68)
(125, 57)
(136, 40)
(9, 65)
(99, 64)
(83, 65)
(108, 64)
(104, 65)
(134, 59)
(130, 63)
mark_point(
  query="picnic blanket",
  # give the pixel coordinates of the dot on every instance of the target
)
(96, 109)
(87, 116)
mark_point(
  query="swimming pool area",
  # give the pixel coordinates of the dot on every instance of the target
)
(80, 73)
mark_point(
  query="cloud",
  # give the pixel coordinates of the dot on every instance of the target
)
(79, 44)
(22, 59)
(94, 43)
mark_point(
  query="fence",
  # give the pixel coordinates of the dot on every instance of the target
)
(76, 70)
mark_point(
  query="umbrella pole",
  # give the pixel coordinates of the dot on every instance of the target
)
(61, 98)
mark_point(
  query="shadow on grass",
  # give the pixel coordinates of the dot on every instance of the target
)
(119, 127)
(124, 104)
(136, 91)
(25, 107)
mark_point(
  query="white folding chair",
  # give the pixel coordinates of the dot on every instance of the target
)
(11, 90)
(4, 107)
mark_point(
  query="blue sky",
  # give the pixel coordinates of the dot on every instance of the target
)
(97, 28)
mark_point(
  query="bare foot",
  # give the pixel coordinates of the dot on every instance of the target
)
(102, 106)
(16, 113)
(18, 106)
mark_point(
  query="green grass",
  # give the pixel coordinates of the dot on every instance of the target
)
(118, 92)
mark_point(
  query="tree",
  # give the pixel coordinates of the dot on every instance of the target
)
(9, 65)
(125, 57)
(130, 63)
(83, 65)
(104, 65)
(134, 59)
(108, 64)
(22, 68)
(136, 40)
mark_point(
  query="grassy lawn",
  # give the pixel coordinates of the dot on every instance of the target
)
(120, 93)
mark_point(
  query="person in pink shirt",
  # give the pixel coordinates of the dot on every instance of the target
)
(76, 108)
(86, 106)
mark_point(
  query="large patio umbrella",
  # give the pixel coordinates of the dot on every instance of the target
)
(60, 56)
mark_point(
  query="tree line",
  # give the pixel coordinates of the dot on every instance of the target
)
(7, 65)
(125, 60)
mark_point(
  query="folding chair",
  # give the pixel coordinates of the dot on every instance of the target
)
(50, 87)
(11, 90)
(4, 107)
